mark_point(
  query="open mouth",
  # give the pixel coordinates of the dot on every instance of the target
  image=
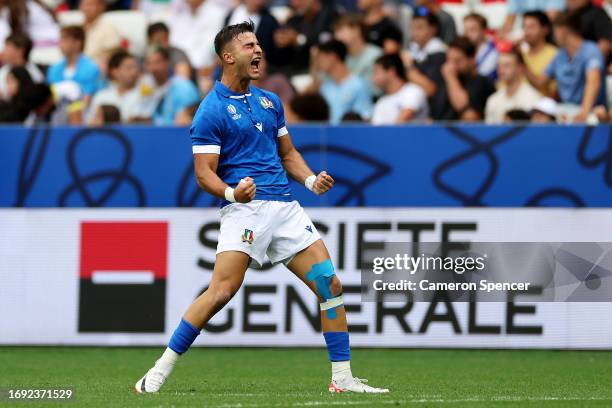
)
(255, 63)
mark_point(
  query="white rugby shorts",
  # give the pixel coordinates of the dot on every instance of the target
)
(275, 228)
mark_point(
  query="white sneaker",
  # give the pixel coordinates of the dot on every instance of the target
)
(154, 378)
(354, 384)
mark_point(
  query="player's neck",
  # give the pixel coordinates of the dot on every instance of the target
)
(237, 85)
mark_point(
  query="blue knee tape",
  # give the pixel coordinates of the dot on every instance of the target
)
(322, 274)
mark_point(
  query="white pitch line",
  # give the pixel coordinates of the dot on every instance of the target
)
(410, 401)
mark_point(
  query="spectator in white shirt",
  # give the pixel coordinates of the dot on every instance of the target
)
(124, 91)
(515, 91)
(475, 29)
(402, 101)
(193, 30)
(16, 54)
(32, 17)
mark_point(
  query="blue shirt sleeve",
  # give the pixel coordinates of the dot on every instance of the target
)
(54, 73)
(280, 118)
(91, 79)
(206, 131)
(551, 68)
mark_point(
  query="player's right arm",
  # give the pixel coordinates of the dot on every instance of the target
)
(206, 175)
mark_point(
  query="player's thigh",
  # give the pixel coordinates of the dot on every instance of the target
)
(303, 262)
(228, 273)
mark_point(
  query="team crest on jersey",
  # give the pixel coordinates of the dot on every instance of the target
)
(247, 236)
(231, 109)
(265, 102)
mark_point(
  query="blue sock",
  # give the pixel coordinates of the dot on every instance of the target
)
(338, 346)
(183, 337)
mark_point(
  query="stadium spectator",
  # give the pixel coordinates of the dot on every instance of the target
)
(60, 104)
(31, 17)
(170, 94)
(514, 93)
(15, 109)
(475, 29)
(193, 30)
(544, 111)
(123, 91)
(311, 24)
(551, 8)
(426, 53)
(276, 82)
(446, 23)
(75, 66)
(106, 115)
(265, 24)
(16, 54)
(377, 23)
(158, 34)
(424, 38)
(578, 68)
(537, 35)
(350, 30)
(185, 116)
(464, 92)
(100, 35)
(402, 101)
(392, 40)
(309, 107)
(595, 24)
(343, 91)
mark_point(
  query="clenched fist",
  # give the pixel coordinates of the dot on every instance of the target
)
(245, 190)
(323, 183)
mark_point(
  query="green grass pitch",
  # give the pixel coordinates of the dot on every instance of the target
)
(242, 378)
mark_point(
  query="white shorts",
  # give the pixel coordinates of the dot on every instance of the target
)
(275, 228)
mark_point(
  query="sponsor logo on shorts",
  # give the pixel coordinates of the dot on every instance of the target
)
(265, 102)
(247, 236)
(309, 228)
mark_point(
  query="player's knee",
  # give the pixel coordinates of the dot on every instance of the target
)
(335, 287)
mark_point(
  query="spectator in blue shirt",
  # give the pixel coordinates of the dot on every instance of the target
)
(169, 93)
(578, 67)
(76, 66)
(343, 91)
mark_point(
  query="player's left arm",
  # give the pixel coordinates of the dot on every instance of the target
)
(298, 169)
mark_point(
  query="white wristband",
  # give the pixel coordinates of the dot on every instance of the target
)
(229, 194)
(310, 180)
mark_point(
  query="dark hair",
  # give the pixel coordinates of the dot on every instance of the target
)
(518, 115)
(392, 33)
(516, 53)
(19, 106)
(464, 45)
(352, 20)
(310, 107)
(431, 19)
(117, 59)
(163, 51)
(76, 33)
(352, 117)
(334, 47)
(394, 62)
(21, 41)
(572, 21)
(543, 20)
(227, 34)
(157, 28)
(110, 114)
(479, 18)
(37, 95)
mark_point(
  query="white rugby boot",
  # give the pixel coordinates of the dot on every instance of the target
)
(354, 384)
(153, 380)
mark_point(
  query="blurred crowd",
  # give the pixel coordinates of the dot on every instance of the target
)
(97, 62)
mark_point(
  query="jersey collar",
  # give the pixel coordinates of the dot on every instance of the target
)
(228, 93)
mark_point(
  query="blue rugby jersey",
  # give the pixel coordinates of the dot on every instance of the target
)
(243, 129)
